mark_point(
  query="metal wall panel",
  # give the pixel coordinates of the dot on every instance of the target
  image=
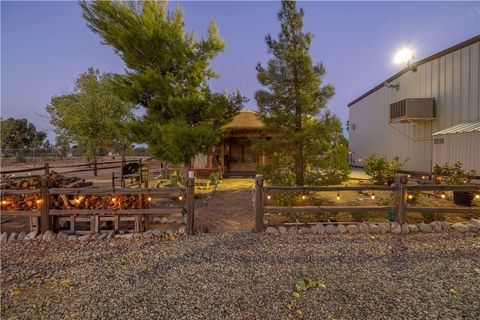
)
(463, 147)
(452, 80)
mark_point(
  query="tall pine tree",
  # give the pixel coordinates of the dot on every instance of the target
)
(307, 143)
(167, 73)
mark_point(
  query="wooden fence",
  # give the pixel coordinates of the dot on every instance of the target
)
(47, 218)
(400, 206)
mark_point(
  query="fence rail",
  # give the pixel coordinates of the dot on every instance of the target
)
(400, 206)
(43, 219)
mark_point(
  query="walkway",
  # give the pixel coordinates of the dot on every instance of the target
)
(230, 208)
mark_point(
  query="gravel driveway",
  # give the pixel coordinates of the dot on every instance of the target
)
(244, 276)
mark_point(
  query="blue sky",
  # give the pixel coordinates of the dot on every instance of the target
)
(45, 45)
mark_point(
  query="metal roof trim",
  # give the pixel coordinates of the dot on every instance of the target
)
(465, 127)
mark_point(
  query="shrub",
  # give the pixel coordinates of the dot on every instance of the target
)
(214, 177)
(381, 170)
(453, 175)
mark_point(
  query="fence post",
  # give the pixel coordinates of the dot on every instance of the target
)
(44, 206)
(259, 203)
(95, 167)
(401, 198)
(190, 195)
(47, 168)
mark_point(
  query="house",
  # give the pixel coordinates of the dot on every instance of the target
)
(428, 113)
(234, 156)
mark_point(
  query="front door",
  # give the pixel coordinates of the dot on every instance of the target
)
(242, 157)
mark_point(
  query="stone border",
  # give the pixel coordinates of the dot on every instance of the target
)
(50, 236)
(472, 226)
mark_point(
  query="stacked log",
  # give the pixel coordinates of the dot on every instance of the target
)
(27, 202)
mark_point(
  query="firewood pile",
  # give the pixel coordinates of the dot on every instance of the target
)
(27, 202)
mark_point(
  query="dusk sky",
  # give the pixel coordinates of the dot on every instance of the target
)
(46, 45)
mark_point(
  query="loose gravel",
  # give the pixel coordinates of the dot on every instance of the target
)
(244, 275)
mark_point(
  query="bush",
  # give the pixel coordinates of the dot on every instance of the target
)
(381, 170)
(453, 175)
(214, 177)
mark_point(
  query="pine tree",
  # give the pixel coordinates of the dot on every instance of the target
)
(167, 74)
(293, 108)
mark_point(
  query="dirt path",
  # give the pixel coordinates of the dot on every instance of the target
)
(230, 208)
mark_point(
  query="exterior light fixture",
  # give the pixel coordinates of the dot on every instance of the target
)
(404, 56)
(338, 195)
(373, 195)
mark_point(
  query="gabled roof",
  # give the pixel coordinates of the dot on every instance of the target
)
(416, 64)
(246, 119)
(461, 128)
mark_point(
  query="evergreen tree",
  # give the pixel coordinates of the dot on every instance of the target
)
(167, 74)
(306, 138)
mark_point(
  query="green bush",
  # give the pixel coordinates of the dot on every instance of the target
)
(214, 177)
(381, 170)
(453, 175)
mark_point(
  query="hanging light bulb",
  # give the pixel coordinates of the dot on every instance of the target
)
(29, 173)
(338, 195)
(38, 201)
(410, 196)
(477, 196)
(149, 199)
(443, 195)
(373, 195)
(114, 199)
(269, 197)
(4, 202)
(180, 197)
(77, 200)
(303, 197)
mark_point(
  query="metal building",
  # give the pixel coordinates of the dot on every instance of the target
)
(421, 112)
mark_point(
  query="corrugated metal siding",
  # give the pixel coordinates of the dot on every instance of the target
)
(452, 80)
(463, 147)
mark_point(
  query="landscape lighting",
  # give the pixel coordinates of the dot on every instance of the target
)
(410, 196)
(373, 195)
(149, 199)
(269, 197)
(404, 55)
(303, 197)
(4, 202)
(114, 199)
(180, 198)
(338, 195)
(38, 201)
(477, 196)
(443, 195)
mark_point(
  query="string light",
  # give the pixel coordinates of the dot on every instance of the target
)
(408, 176)
(423, 177)
(114, 199)
(38, 201)
(303, 197)
(443, 195)
(410, 196)
(338, 195)
(13, 174)
(269, 197)
(4, 202)
(373, 195)
(29, 173)
(477, 196)
(180, 198)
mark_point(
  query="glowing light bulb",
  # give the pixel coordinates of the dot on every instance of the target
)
(443, 195)
(38, 201)
(149, 199)
(4, 202)
(180, 198)
(404, 55)
(338, 196)
(372, 196)
(410, 197)
(303, 197)
(269, 197)
(114, 199)
(477, 196)
(77, 201)
(29, 173)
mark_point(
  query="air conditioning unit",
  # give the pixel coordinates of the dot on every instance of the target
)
(412, 109)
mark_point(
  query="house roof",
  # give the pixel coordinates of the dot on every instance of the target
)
(246, 119)
(461, 128)
(418, 63)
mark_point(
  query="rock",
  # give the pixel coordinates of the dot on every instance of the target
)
(171, 221)
(49, 235)
(148, 235)
(86, 237)
(102, 236)
(405, 228)
(412, 228)
(137, 235)
(475, 221)
(384, 227)
(31, 235)
(39, 237)
(293, 230)
(331, 229)
(12, 237)
(271, 230)
(62, 236)
(304, 230)
(363, 228)
(282, 230)
(95, 236)
(395, 227)
(460, 227)
(343, 217)
(436, 226)
(179, 221)
(170, 231)
(21, 235)
(352, 229)
(320, 228)
(121, 232)
(341, 228)
(156, 220)
(118, 236)
(4, 236)
(423, 227)
(471, 227)
(446, 226)
(110, 234)
(72, 237)
(313, 230)
(373, 228)
(182, 230)
(157, 232)
(128, 236)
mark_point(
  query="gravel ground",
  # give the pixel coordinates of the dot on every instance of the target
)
(244, 276)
